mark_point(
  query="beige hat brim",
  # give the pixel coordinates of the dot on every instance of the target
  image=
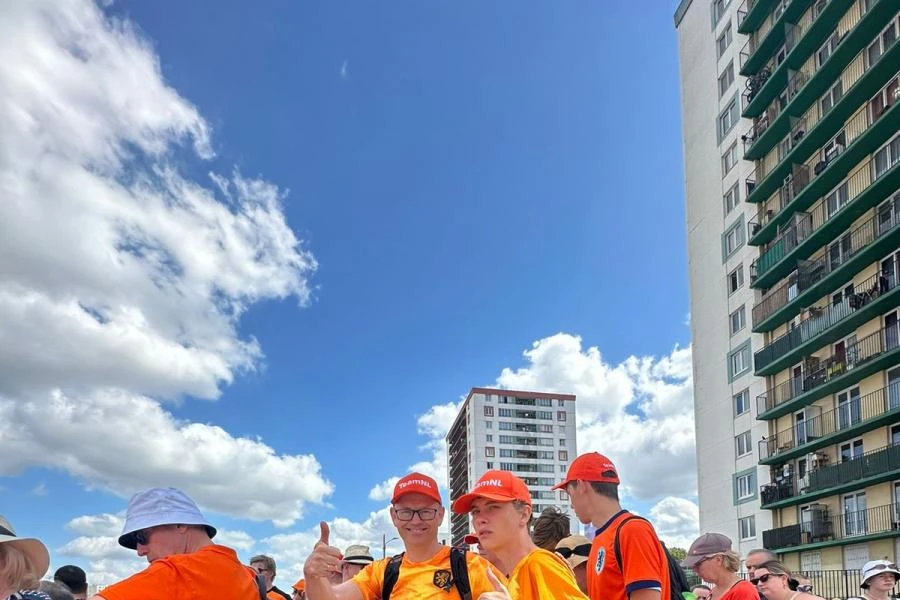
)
(35, 550)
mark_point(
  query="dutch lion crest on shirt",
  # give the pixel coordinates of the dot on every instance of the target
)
(601, 560)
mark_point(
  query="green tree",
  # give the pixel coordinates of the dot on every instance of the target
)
(678, 553)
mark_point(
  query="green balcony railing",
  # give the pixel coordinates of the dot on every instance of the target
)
(823, 528)
(760, 47)
(831, 426)
(838, 371)
(826, 324)
(813, 278)
(752, 13)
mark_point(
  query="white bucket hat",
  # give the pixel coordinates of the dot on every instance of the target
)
(877, 567)
(33, 549)
(160, 506)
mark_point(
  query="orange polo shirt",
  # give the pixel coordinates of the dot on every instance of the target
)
(417, 580)
(645, 564)
(543, 574)
(210, 572)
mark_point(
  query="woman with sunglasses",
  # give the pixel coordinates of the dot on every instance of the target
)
(878, 579)
(713, 560)
(773, 580)
(575, 549)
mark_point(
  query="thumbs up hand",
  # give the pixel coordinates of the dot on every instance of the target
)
(324, 560)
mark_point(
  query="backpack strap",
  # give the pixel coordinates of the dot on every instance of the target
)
(261, 587)
(616, 549)
(391, 573)
(459, 567)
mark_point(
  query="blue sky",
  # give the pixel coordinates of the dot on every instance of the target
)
(469, 179)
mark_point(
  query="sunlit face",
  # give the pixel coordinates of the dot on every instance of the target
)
(707, 569)
(769, 584)
(267, 575)
(578, 497)
(417, 530)
(349, 570)
(701, 593)
(497, 523)
(883, 582)
(753, 561)
(161, 541)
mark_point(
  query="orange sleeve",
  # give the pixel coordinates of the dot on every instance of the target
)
(370, 580)
(156, 582)
(478, 579)
(548, 576)
(641, 555)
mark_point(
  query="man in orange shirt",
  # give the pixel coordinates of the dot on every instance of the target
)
(500, 505)
(166, 527)
(593, 487)
(424, 572)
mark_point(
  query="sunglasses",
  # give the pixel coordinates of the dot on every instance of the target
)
(142, 536)
(582, 550)
(882, 567)
(765, 578)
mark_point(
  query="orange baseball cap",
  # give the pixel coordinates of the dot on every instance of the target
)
(300, 585)
(494, 485)
(416, 483)
(592, 466)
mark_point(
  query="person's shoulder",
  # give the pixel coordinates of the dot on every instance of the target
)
(544, 559)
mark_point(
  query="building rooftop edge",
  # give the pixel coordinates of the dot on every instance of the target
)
(679, 12)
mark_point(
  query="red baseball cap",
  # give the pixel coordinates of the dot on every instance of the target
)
(494, 485)
(592, 466)
(416, 483)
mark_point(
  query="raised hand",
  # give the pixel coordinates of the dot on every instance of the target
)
(324, 560)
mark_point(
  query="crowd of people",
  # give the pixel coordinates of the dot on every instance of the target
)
(516, 556)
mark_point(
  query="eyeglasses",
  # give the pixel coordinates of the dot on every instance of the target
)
(425, 514)
(764, 578)
(582, 550)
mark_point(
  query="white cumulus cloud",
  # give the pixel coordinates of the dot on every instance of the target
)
(122, 279)
(677, 521)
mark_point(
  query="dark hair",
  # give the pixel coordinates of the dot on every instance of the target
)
(610, 490)
(550, 527)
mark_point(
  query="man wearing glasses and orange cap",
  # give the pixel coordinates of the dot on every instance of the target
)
(423, 571)
(500, 505)
(641, 569)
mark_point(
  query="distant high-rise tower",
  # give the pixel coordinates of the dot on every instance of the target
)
(531, 434)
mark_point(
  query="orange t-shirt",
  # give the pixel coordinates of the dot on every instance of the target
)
(418, 580)
(543, 574)
(645, 564)
(210, 572)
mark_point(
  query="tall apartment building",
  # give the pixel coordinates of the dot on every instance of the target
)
(531, 434)
(793, 217)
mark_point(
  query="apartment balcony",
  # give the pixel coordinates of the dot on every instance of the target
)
(856, 416)
(840, 370)
(828, 324)
(815, 278)
(755, 53)
(823, 529)
(826, 220)
(860, 471)
(811, 132)
(807, 83)
(752, 13)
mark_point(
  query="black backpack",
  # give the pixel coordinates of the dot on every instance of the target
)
(677, 581)
(459, 572)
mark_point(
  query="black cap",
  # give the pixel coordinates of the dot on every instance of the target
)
(73, 577)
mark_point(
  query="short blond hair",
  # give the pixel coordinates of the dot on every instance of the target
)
(16, 571)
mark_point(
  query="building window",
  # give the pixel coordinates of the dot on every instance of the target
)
(745, 486)
(489, 425)
(562, 442)
(884, 41)
(545, 428)
(728, 118)
(724, 40)
(736, 279)
(506, 412)
(489, 451)
(739, 361)
(488, 398)
(725, 81)
(560, 415)
(733, 238)
(742, 444)
(561, 403)
(729, 159)
(747, 526)
(831, 97)
(490, 465)
(562, 468)
(737, 320)
(741, 402)
(561, 428)
(489, 411)
(886, 157)
(731, 199)
(545, 414)
(490, 438)
(563, 496)
(718, 10)
(563, 455)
